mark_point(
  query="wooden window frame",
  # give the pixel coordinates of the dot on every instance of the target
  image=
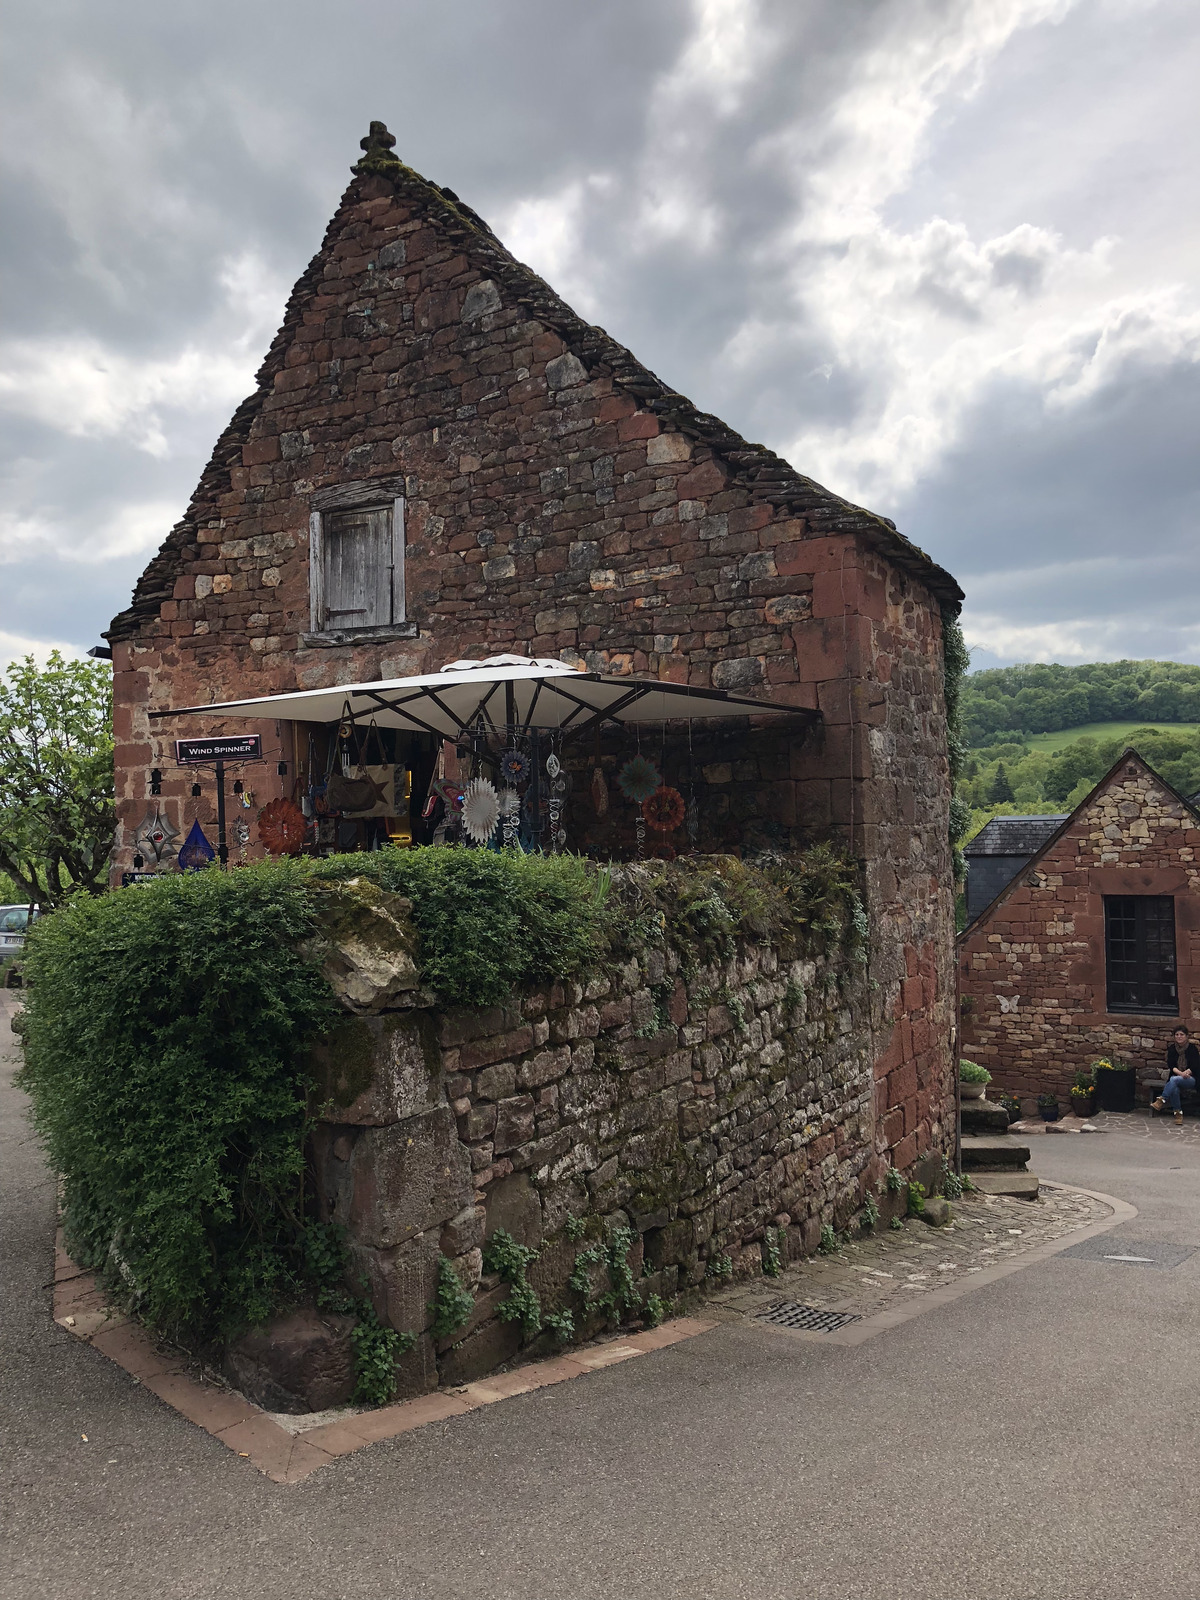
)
(1142, 982)
(380, 494)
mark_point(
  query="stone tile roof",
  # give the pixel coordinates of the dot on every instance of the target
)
(1014, 836)
(765, 475)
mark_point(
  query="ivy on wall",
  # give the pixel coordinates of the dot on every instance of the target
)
(956, 659)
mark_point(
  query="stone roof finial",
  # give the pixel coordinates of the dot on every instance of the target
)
(378, 145)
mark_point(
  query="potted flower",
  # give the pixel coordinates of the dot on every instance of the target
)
(1083, 1093)
(973, 1080)
(1114, 1085)
(1012, 1105)
(1048, 1108)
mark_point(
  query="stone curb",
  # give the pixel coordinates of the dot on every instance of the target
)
(285, 1457)
(856, 1333)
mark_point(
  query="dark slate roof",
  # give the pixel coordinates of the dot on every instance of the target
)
(1014, 836)
(767, 476)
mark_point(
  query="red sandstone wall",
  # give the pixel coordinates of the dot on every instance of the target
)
(1043, 946)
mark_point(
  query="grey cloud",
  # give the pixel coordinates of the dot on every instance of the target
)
(150, 146)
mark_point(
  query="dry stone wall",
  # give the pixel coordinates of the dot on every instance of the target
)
(697, 1109)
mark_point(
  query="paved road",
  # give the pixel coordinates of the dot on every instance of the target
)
(1017, 1443)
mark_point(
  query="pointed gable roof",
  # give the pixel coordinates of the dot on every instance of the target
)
(1127, 758)
(766, 476)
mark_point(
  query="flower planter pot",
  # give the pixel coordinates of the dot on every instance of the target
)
(972, 1091)
(1114, 1090)
(1082, 1105)
(1048, 1113)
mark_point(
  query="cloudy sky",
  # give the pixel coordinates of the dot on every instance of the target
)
(939, 253)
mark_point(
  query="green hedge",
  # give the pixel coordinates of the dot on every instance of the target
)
(168, 1028)
(488, 921)
(163, 1029)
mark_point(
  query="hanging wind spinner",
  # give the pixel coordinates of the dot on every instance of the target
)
(480, 810)
(156, 837)
(196, 851)
(510, 816)
(693, 820)
(282, 827)
(638, 779)
(664, 810)
(514, 767)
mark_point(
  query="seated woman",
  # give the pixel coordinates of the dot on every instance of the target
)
(1183, 1074)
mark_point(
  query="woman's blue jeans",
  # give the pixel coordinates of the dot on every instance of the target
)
(1173, 1092)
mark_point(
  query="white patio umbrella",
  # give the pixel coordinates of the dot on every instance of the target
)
(501, 692)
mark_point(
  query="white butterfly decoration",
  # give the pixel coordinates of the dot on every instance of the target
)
(1008, 1002)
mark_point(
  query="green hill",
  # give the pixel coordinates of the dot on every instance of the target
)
(1018, 703)
(1103, 731)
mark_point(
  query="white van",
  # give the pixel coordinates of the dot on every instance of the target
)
(13, 922)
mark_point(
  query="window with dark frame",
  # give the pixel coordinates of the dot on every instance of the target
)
(357, 568)
(1139, 949)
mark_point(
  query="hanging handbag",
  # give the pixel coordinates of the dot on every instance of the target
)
(363, 790)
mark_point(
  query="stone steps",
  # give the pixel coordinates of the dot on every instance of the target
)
(995, 1161)
(992, 1150)
(1013, 1181)
(982, 1116)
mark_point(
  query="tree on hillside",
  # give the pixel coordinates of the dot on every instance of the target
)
(1042, 697)
(56, 777)
(1000, 790)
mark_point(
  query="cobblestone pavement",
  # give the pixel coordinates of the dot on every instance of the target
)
(877, 1272)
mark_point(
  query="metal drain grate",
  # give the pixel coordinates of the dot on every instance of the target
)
(787, 1314)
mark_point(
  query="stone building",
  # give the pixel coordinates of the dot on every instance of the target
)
(1094, 949)
(442, 461)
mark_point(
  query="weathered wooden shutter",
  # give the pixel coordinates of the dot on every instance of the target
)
(359, 565)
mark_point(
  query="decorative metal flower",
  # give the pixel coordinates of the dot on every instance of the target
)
(638, 779)
(514, 767)
(282, 827)
(510, 803)
(664, 810)
(480, 810)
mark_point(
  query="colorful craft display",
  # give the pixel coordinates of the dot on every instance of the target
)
(638, 779)
(480, 810)
(664, 810)
(282, 828)
(514, 767)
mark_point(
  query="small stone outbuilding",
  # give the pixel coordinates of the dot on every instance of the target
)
(441, 460)
(1094, 948)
